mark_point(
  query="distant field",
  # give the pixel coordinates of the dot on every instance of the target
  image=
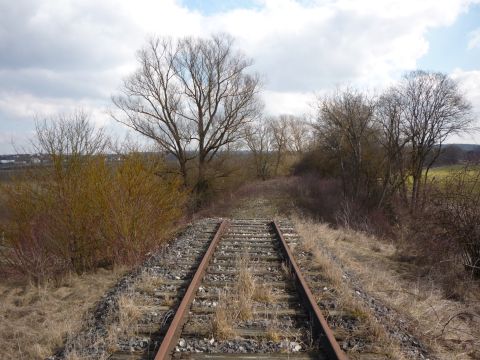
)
(441, 172)
(9, 174)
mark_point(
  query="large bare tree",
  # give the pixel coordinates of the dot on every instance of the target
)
(192, 96)
(433, 108)
(344, 125)
(393, 141)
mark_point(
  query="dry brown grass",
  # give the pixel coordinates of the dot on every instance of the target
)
(222, 322)
(323, 264)
(368, 327)
(148, 283)
(263, 293)
(126, 324)
(34, 320)
(129, 314)
(237, 304)
(399, 285)
(273, 332)
(121, 324)
(244, 289)
(168, 301)
(132, 305)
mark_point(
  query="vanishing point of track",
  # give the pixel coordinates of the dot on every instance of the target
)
(272, 261)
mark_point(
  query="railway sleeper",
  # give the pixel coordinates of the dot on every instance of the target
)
(250, 356)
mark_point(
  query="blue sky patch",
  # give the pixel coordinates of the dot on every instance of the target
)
(210, 7)
(448, 46)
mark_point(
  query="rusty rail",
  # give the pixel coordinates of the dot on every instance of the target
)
(174, 330)
(320, 324)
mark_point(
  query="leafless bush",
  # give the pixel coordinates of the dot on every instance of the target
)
(443, 240)
(323, 199)
(457, 213)
(144, 203)
(81, 212)
(317, 197)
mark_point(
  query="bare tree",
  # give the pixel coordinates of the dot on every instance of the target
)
(299, 133)
(69, 193)
(192, 96)
(433, 108)
(457, 213)
(271, 140)
(68, 135)
(388, 115)
(258, 138)
(280, 138)
(344, 124)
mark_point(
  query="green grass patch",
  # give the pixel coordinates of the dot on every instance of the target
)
(441, 172)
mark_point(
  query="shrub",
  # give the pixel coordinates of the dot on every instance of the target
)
(457, 213)
(143, 206)
(80, 211)
(96, 215)
(322, 198)
(318, 197)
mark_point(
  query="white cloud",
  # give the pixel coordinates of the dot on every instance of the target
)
(15, 141)
(59, 55)
(25, 106)
(469, 82)
(474, 39)
(277, 103)
(18, 112)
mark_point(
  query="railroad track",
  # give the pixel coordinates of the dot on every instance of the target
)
(240, 296)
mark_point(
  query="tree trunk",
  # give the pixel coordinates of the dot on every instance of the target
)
(417, 177)
(201, 186)
(183, 171)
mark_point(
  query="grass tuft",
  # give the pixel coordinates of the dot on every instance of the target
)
(222, 322)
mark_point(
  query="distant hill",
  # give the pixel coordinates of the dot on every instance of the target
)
(452, 154)
(465, 147)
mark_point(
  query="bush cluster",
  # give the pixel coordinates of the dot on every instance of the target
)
(83, 212)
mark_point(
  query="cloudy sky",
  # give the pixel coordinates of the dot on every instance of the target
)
(56, 56)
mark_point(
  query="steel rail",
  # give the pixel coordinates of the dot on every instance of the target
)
(327, 339)
(174, 330)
